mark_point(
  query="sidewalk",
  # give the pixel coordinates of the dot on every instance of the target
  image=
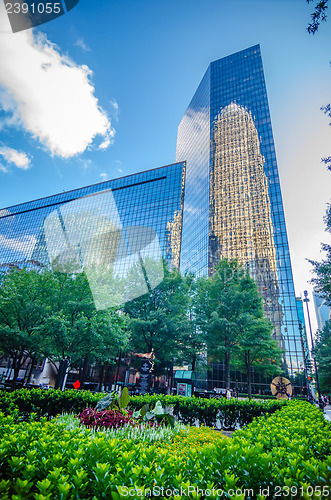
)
(327, 412)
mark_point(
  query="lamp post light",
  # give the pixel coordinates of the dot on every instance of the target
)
(313, 355)
(305, 369)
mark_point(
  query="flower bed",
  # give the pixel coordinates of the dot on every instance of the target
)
(47, 460)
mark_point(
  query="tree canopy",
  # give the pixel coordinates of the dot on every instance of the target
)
(322, 270)
(323, 357)
(318, 16)
(232, 314)
(47, 314)
(158, 319)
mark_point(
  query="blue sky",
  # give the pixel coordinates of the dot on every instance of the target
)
(124, 71)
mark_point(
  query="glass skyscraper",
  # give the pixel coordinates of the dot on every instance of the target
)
(233, 204)
(105, 229)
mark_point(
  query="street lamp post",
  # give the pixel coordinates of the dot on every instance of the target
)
(305, 369)
(320, 402)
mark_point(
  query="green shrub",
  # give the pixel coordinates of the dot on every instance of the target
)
(47, 402)
(44, 460)
(227, 414)
(257, 396)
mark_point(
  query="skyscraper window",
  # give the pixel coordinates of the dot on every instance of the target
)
(233, 205)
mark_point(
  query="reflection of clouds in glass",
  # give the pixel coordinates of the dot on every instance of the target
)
(193, 147)
(195, 123)
(132, 274)
(191, 209)
(24, 244)
(87, 235)
(4, 212)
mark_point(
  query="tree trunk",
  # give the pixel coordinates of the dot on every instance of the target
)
(102, 374)
(17, 363)
(84, 373)
(227, 369)
(194, 360)
(33, 362)
(15, 375)
(248, 373)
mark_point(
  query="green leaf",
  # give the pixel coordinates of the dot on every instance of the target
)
(171, 421)
(158, 409)
(149, 415)
(144, 410)
(124, 398)
(106, 401)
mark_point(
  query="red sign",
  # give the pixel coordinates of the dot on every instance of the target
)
(76, 384)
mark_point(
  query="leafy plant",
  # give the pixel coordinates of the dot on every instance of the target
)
(226, 414)
(105, 418)
(157, 414)
(47, 460)
(111, 412)
(114, 401)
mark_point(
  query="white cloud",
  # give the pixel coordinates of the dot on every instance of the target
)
(52, 95)
(85, 163)
(105, 143)
(119, 166)
(115, 109)
(104, 176)
(14, 157)
(80, 43)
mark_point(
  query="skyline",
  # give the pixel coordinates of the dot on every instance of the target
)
(139, 83)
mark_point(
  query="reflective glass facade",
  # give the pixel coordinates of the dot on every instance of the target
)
(233, 205)
(117, 224)
(322, 310)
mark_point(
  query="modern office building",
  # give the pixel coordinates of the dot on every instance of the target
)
(322, 309)
(107, 229)
(233, 204)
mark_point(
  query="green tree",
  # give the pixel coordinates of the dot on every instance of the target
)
(76, 330)
(193, 343)
(158, 318)
(258, 348)
(46, 314)
(318, 16)
(229, 302)
(23, 310)
(322, 269)
(323, 357)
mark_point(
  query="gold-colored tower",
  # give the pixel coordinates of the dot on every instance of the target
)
(240, 214)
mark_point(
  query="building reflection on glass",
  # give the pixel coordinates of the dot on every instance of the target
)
(240, 213)
(118, 232)
(174, 231)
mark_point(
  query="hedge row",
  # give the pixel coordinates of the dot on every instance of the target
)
(286, 454)
(47, 402)
(221, 413)
(226, 414)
